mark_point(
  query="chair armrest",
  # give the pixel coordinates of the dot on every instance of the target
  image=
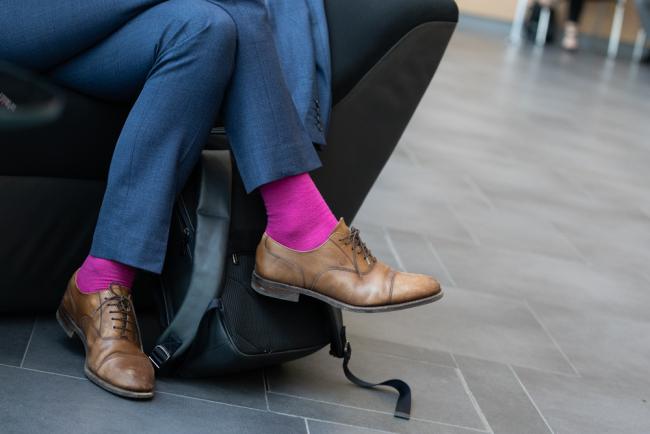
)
(362, 31)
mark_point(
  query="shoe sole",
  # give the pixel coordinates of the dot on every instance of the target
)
(71, 329)
(282, 291)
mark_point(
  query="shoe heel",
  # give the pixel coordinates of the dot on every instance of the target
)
(274, 290)
(64, 322)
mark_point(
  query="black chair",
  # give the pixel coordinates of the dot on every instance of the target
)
(52, 176)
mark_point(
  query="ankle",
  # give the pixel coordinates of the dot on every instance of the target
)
(302, 238)
(297, 215)
(571, 28)
(97, 274)
(570, 39)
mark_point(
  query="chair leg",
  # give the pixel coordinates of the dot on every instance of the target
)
(517, 27)
(617, 27)
(542, 25)
(639, 45)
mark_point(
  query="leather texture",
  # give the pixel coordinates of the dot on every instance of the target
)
(343, 269)
(106, 323)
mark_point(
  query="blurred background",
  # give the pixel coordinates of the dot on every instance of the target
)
(524, 182)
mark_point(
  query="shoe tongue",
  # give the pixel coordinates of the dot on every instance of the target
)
(119, 290)
(117, 312)
(341, 227)
(344, 230)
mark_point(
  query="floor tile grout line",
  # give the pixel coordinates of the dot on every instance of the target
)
(309, 418)
(177, 395)
(471, 396)
(506, 362)
(228, 404)
(44, 372)
(349, 425)
(394, 356)
(530, 398)
(439, 259)
(392, 248)
(307, 425)
(267, 402)
(525, 303)
(287, 395)
(369, 410)
(502, 249)
(266, 389)
(400, 263)
(478, 191)
(457, 366)
(447, 351)
(561, 233)
(575, 373)
(29, 341)
(462, 223)
(540, 370)
(580, 258)
(411, 156)
(552, 338)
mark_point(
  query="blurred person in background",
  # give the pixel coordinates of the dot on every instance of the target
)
(643, 8)
(570, 39)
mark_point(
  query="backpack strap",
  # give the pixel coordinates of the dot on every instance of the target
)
(213, 222)
(403, 405)
(341, 348)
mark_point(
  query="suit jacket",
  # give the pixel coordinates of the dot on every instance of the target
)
(302, 40)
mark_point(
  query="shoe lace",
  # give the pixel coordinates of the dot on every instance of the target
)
(121, 306)
(358, 246)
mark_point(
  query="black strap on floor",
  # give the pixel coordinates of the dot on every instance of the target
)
(403, 406)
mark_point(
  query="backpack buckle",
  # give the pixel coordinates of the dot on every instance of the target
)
(159, 356)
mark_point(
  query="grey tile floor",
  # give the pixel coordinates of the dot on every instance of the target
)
(522, 183)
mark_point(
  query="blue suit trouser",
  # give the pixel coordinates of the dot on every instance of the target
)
(182, 62)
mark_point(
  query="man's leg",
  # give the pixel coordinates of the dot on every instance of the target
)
(575, 10)
(267, 136)
(178, 55)
(570, 39)
(305, 250)
(270, 142)
(39, 34)
(183, 51)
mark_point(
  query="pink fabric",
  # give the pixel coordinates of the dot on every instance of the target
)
(96, 274)
(297, 215)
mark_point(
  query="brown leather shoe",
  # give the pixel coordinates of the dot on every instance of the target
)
(106, 324)
(342, 272)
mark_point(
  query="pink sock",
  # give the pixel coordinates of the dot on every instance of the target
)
(298, 217)
(96, 274)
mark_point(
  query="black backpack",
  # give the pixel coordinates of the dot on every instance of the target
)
(215, 323)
